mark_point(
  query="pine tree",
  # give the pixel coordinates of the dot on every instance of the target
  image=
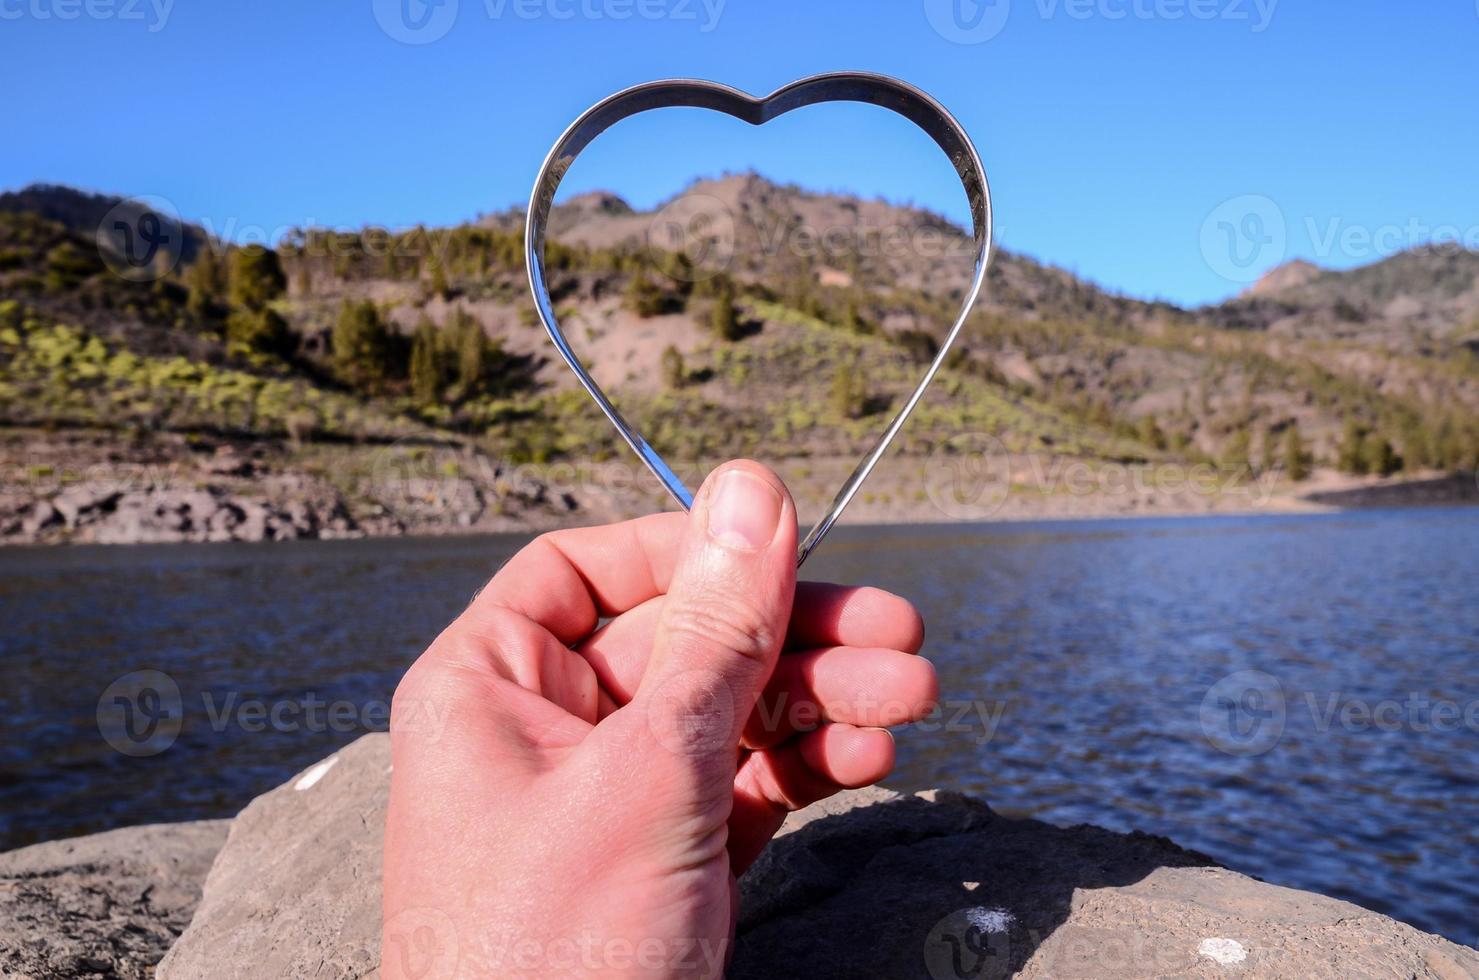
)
(1350, 456)
(426, 363)
(849, 395)
(362, 345)
(206, 276)
(439, 285)
(1417, 445)
(1236, 450)
(473, 352)
(1448, 445)
(1296, 460)
(1270, 452)
(1378, 457)
(725, 319)
(683, 274)
(674, 375)
(1150, 433)
(256, 277)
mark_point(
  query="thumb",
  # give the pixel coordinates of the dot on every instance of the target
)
(724, 620)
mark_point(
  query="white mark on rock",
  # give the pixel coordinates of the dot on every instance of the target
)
(1224, 951)
(989, 920)
(310, 778)
(970, 886)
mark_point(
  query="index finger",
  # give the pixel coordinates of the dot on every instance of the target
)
(567, 580)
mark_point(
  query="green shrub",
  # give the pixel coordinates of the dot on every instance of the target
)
(262, 331)
(644, 297)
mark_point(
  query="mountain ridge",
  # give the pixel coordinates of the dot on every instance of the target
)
(774, 318)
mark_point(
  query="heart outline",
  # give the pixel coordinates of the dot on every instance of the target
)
(864, 87)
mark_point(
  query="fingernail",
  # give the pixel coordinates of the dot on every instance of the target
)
(744, 511)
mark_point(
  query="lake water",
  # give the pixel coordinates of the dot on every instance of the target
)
(1295, 696)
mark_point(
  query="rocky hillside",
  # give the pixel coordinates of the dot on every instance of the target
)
(740, 317)
(1424, 301)
(1370, 369)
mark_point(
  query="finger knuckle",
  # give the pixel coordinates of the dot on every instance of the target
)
(413, 690)
(724, 622)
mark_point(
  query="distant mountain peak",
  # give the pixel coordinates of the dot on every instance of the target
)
(1290, 275)
(599, 202)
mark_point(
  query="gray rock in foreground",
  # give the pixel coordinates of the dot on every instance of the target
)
(296, 890)
(937, 886)
(869, 884)
(106, 905)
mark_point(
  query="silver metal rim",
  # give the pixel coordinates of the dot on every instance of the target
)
(864, 87)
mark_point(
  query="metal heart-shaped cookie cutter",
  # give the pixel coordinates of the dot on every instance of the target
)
(879, 90)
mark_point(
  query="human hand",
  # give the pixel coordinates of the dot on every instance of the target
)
(597, 788)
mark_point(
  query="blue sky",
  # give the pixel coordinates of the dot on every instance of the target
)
(1163, 148)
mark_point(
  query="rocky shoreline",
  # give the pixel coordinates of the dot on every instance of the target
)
(869, 884)
(83, 488)
(78, 490)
